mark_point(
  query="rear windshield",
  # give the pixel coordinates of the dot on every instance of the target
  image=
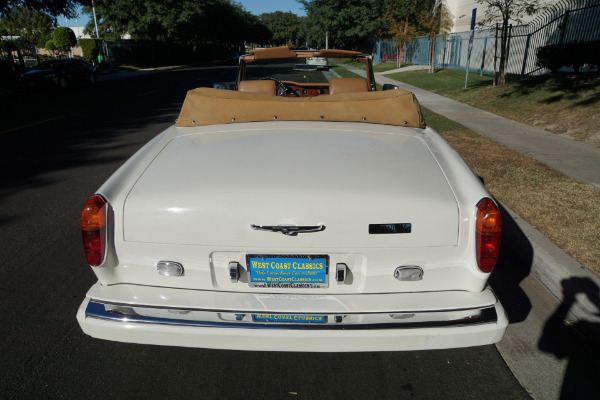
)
(52, 64)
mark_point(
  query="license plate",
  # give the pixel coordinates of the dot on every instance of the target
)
(286, 271)
(290, 318)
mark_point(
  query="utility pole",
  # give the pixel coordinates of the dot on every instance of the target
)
(95, 20)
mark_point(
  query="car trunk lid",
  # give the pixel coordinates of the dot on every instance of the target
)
(208, 189)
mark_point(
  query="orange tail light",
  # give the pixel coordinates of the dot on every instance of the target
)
(93, 230)
(487, 234)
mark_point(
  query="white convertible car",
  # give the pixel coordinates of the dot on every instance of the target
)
(301, 212)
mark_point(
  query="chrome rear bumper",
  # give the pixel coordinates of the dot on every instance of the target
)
(341, 328)
(269, 320)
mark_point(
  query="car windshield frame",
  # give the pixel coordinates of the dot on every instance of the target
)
(278, 63)
(283, 70)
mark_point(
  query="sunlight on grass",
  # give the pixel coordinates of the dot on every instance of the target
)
(566, 105)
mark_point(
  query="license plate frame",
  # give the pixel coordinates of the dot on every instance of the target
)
(287, 271)
(290, 318)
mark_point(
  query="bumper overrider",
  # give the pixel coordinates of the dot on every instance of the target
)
(292, 322)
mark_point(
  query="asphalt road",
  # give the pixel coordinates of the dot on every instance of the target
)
(57, 149)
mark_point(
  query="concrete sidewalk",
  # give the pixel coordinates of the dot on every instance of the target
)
(576, 159)
(550, 284)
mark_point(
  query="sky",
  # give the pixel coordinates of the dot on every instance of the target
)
(256, 7)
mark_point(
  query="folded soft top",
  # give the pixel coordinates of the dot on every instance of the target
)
(206, 106)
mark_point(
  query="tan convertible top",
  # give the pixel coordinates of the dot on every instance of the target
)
(206, 106)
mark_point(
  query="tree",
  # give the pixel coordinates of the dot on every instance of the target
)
(506, 12)
(218, 27)
(32, 26)
(346, 23)
(50, 7)
(64, 38)
(434, 21)
(285, 27)
(403, 25)
(184, 21)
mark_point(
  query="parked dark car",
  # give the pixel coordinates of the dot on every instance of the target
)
(62, 72)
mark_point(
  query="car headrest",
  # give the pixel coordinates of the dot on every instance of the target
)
(262, 86)
(348, 85)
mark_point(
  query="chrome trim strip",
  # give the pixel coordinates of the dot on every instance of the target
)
(231, 319)
(289, 230)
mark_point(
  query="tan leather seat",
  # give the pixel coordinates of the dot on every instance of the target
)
(264, 87)
(348, 85)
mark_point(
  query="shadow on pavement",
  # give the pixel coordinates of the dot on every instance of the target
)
(576, 341)
(514, 265)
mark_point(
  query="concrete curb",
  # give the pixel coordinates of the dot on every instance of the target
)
(552, 267)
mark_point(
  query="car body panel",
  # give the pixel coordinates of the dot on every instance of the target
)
(58, 72)
(318, 61)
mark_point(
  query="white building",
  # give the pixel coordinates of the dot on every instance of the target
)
(462, 9)
(79, 32)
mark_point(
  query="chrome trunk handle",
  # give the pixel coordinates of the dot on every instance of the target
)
(289, 230)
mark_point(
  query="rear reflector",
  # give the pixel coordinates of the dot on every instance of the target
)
(93, 230)
(487, 234)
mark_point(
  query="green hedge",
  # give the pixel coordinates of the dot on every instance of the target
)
(90, 49)
(574, 54)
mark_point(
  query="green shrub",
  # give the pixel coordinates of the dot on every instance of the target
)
(64, 38)
(50, 45)
(577, 54)
(552, 57)
(574, 54)
(595, 54)
(90, 49)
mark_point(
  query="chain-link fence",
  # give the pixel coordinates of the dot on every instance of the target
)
(567, 21)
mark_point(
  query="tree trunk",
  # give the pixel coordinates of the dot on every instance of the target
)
(21, 59)
(402, 47)
(503, 53)
(432, 53)
(402, 53)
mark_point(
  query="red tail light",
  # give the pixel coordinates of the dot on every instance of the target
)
(487, 234)
(93, 230)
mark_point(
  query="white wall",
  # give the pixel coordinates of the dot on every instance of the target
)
(462, 9)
